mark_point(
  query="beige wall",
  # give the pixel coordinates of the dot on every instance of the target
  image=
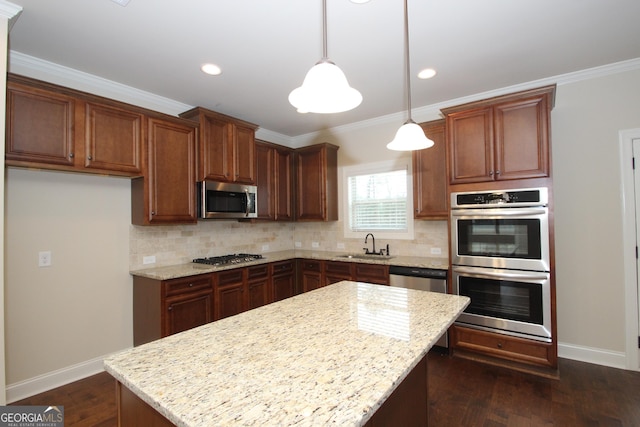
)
(79, 308)
(587, 184)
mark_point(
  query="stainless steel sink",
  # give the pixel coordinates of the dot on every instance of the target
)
(365, 256)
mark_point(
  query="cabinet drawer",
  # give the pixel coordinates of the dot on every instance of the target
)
(283, 267)
(502, 346)
(258, 271)
(230, 277)
(310, 265)
(373, 273)
(339, 268)
(187, 284)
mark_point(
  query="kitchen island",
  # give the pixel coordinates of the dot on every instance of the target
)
(348, 354)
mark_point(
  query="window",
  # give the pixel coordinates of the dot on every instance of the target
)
(378, 200)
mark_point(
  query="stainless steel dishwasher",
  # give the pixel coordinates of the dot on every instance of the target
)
(424, 279)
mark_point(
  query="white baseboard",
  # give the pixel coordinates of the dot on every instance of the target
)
(598, 356)
(51, 380)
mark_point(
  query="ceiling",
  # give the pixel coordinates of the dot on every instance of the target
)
(265, 48)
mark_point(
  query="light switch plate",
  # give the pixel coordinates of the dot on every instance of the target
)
(44, 259)
(151, 259)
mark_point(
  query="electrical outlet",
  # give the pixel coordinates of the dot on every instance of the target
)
(44, 259)
(151, 259)
(298, 244)
(340, 245)
(265, 248)
(315, 244)
(436, 251)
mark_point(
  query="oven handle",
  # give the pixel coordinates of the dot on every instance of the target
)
(532, 275)
(501, 212)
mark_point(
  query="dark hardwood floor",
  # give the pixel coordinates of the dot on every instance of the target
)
(461, 393)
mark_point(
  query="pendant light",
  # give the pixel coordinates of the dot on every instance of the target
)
(410, 136)
(325, 88)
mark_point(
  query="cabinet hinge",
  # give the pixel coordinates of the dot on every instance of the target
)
(636, 252)
(638, 342)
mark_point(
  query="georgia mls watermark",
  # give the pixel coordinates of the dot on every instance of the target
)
(31, 416)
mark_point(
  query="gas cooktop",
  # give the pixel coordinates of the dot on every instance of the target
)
(228, 259)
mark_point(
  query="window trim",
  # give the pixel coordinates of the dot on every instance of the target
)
(372, 168)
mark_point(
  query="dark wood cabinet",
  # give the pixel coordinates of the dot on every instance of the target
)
(53, 127)
(258, 286)
(311, 274)
(502, 138)
(430, 190)
(165, 307)
(227, 147)
(273, 179)
(229, 295)
(336, 271)
(166, 195)
(371, 273)
(317, 183)
(283, 279)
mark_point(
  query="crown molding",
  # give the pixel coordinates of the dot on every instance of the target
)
(10, 11)
(30, 66)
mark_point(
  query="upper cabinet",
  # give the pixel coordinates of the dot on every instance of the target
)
(430, 175)
(317, 183)
(226, 149)
(274, 164)
(502, 138)
(167, 193)
(52, 127)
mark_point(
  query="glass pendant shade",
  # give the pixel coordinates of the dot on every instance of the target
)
(325, 90)
(410, 137)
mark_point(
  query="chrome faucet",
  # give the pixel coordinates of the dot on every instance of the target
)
(374, 244)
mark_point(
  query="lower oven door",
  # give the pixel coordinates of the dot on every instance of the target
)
(513, 302)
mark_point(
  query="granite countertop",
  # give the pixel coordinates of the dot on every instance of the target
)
(331, 356)
(191, 269)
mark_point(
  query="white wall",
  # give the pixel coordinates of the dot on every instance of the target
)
(590, 282)
(80, 308)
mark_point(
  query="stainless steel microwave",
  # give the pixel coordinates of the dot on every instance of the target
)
(224, 200)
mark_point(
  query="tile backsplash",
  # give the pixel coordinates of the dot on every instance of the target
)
(181, 243)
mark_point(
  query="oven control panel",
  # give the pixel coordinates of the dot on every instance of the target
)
(520, 197)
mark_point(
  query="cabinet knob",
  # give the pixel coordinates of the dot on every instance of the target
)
(499, 345)
(190, 285)
(90, 158)
(153, 212)
(491, 173)
(170, 308)
(497, 172)
(71, 155)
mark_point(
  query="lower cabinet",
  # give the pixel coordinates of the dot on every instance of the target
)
(335, 271)
(229, 293)
(283, 279)
(165, 307)
(258, 286)
(311, 274)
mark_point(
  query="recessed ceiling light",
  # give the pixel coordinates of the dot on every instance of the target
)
(121, 2)
(211, 69)
(360, 1)
(427, 73)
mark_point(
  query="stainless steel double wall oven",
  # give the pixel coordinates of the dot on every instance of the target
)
(500, 259)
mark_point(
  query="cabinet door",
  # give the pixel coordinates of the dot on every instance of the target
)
(311, 275)
(372, 273)
(243, 154)
(521, 134)
(430, 175)
(40, 126)
(265, 181)
(316, 183)
(171, 173)
(216, 150)
(229, 293)
(186, 311)
(283, 184)
(259, 294)
(113, 138)
(283, 280)
(470, 144)
(335, 271)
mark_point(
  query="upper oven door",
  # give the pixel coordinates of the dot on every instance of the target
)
(512, 238)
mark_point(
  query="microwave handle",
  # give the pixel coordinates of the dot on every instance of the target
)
(248, 204)
(503, 212)
(502, 274)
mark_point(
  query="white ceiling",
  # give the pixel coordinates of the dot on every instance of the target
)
(265, 48)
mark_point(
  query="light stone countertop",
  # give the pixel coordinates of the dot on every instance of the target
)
(191, 269)
(331, 356)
